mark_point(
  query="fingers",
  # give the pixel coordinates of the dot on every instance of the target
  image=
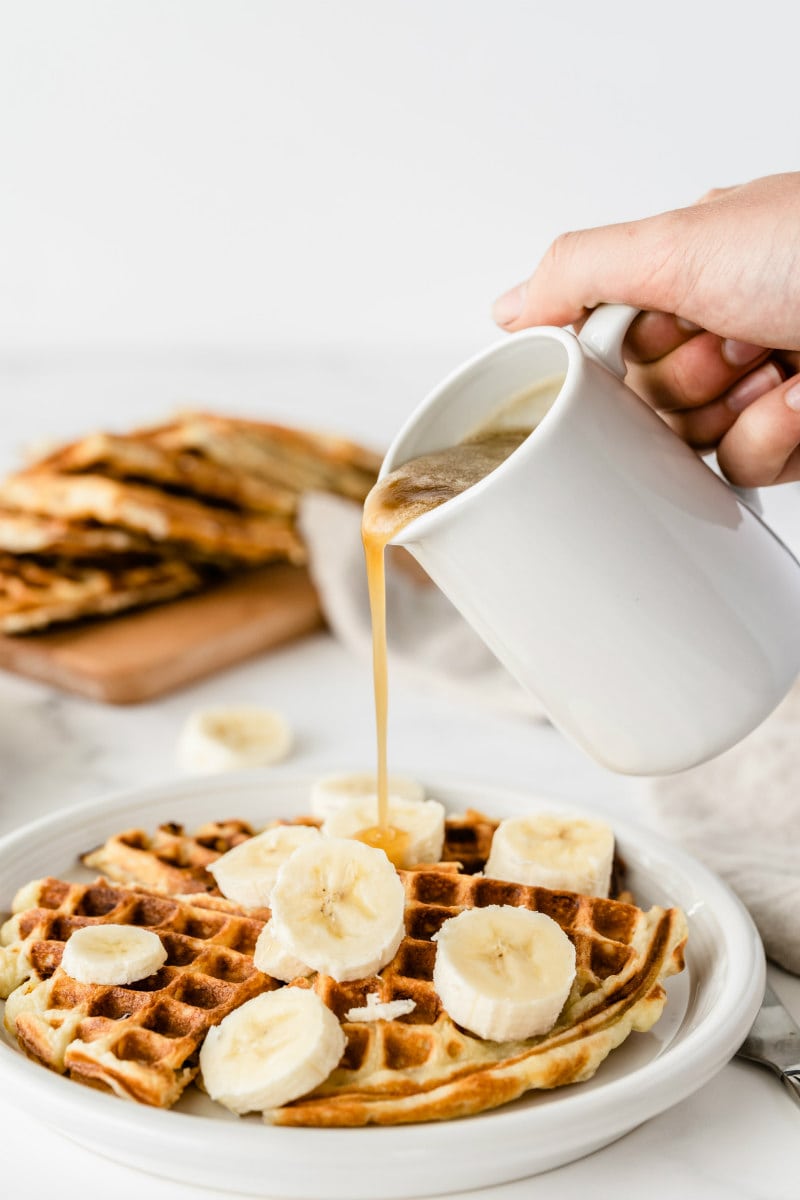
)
(649, 264)
(704, 427)
(763, 445)
(697, 371)
(699, 382)
(654, 334)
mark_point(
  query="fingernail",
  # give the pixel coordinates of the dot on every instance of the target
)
(792, 396)
(738, 354)
(507, 308)
(756, 384)
(687, 326)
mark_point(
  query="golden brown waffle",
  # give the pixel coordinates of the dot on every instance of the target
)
(216, 491)
(205, 530)
(35, 594)
(141, 1040)
(424, 1067)
(51, 537)
(468, 840)
(169, 860)
(290, 458)
(139, 458)
(172, 861)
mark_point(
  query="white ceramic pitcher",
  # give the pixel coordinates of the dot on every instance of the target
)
(615, 575)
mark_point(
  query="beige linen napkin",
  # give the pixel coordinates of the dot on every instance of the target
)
(428, 640)
(740, 814)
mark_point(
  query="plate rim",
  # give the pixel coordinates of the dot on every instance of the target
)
(622, 1103)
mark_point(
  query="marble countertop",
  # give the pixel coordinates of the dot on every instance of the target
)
(738, 1136)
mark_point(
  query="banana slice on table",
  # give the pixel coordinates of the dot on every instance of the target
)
(421, 822)
(502, 972)
(270, 1050)
(563, 853)
(247, 873)
(231, 738)
(331, 792)
(338, 907)
(114, 954)
(270, 957)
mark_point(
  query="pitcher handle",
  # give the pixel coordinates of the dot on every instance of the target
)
(602, 337)
(604, 332)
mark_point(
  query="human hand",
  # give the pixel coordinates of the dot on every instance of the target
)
(730, 264)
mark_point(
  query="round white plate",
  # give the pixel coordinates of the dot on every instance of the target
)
(710, 1008)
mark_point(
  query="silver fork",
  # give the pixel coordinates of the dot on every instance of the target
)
(774, 1041)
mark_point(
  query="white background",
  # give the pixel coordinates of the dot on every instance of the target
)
(207, 173)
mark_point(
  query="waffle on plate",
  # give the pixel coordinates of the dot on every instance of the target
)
(424, 1067)
(171, 860)
(142, 1040)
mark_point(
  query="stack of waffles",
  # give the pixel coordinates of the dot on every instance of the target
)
(114, 522)
(142, 1040)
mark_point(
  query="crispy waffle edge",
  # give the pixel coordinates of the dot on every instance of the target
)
(417, 1072)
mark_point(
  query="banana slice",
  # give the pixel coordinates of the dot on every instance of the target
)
(420, 821)
(229, 739)
(270, 1050)
(332, 791)
(113, 954)
(247, 873)
(503, 973)
(270, 957)
(564, 853)
(338, 907)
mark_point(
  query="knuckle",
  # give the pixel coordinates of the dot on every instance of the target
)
(712, 194)
(559, 249)
(684, 382)
(748, 456)
(562, 247)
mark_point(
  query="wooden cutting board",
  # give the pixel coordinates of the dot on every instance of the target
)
(137, 656)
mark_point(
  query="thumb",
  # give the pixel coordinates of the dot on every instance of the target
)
(647, 263)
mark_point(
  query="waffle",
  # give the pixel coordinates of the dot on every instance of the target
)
(36, 594)
(205, 530)
(290, 458)
(424, 1067)
(169, 860)
(172, 861)
(49, 537)
(218, 492)
(142, 1040)
(137, 457)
